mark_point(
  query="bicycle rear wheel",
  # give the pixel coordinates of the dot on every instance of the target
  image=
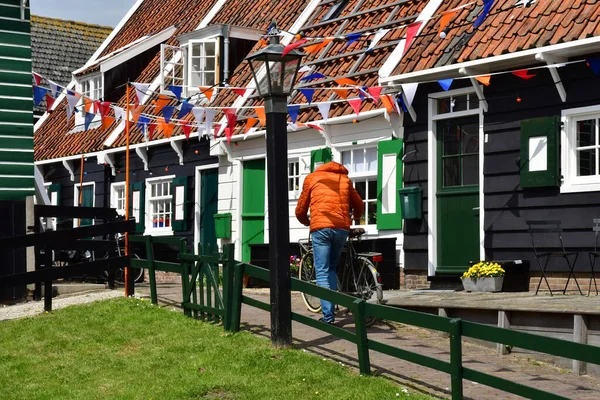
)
(137, 274)
(307, 273)
(365, 283)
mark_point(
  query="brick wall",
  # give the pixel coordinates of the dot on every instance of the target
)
(558, 280)
(413, 279)
(166, 277)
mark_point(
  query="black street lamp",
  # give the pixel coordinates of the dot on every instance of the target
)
(275, 75)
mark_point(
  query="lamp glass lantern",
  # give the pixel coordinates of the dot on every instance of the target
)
(280, 70)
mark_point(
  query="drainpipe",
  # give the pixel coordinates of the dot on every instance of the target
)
(226, 29)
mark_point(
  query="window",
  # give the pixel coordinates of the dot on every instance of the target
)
(362, 167)
(580, 159)
(335, 10)
(117, 197)
(463, 102)
(159, 194)
(202, 64)
(92, 87)
(294, 178)
(84, 197)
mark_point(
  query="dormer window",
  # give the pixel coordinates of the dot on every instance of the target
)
(335, 10)
(92, 87)
(203, 63)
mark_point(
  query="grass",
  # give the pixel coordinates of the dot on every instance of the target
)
(130, 349)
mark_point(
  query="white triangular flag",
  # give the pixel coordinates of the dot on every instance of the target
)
(54, 89)
(409, 90)
(305, 68)
(71, 103)
(118, 113)
(293, 127)
(210, 115)
(140, 90)
(377, 37)
(199, 115)
(324, 110)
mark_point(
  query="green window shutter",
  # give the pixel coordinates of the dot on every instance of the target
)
(320, 156)
(54, 192)
(389, 180)
(87, 200)
(539, 164)
(180, 203)
(137, 205)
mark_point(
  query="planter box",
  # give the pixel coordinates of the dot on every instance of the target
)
(516, 278)
(483, 284)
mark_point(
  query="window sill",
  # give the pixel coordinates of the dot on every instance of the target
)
(159, 232)
(580, 187)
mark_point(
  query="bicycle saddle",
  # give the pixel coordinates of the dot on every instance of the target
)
(356, 232)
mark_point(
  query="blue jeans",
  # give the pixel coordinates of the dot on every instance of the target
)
(327, 247)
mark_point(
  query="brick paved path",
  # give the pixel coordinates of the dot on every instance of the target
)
(517, 368)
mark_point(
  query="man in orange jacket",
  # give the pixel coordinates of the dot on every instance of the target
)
(329, 194)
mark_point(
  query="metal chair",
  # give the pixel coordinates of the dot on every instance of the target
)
(550, 231)
(594, 254)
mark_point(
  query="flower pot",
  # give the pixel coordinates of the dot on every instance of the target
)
(483, 284)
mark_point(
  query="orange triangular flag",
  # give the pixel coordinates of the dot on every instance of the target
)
(343, 93)
(168, 129)
(485, 79)
(260, 112)
(136, 114)
(161, 102)
(160, 124)
(207, 91)
(249, 124)
(107, 122)
(387, 103)
(87, 104)
(316, 47)
(445, 20)
(345, 81)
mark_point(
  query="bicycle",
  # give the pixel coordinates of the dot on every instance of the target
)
(358, 276)
(137, 274)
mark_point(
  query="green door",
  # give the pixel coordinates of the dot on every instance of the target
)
(253, 206)
(87, 201)
(457, 194)
(209, 181)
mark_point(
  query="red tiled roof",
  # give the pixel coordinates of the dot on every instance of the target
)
(506, 29)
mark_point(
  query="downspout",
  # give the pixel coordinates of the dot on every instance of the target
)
(226, 30)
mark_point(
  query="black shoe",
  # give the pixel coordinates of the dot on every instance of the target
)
(327, 322)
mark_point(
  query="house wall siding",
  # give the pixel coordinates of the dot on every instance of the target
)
(506, 205)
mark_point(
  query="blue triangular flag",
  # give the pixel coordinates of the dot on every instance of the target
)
(168, 112)
(402, 104)
(487, 5)
(176, 90)
(293, 111)
(445, 83)
(142, 120)
(38, 95)
(308, 93)
(313, 76)
(351, 38)
(186, 107)
(89, 117)
(361, 93)
(594, 64)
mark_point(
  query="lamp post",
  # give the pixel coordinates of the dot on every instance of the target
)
(275, 75)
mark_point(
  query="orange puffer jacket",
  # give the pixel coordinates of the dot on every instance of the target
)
(330, 195)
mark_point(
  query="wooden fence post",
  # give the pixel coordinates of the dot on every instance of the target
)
(48, 282)
(361, 335)
(228, 266)
(236, 297)
(151, 270)
(185, 276)
(456, 359)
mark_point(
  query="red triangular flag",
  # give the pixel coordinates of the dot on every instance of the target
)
(411, 32)
(355, 103)
(49, 102)
(239, 91)
(524, 74)
(375, 92)
(37, 78)
(231, 120)
(315, 126)
(217, 128)
(151, 129)
(292, 46)
(104, 108)
(187, 129)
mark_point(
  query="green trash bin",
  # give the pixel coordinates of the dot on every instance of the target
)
(223, 226)
(410, 202)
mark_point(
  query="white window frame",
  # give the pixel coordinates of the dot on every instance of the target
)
(76, 194)
(149, 229)
(568, 160)
(189, 62)
(50, 222)
(295, 193)
(370, 176)
(114, 199)
(94, 91)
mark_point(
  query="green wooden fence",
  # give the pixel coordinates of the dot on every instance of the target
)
(229, 307)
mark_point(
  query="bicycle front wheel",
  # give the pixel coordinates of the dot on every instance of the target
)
(366, 285)
(307, 273)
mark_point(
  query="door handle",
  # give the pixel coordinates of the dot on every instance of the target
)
(475, 208)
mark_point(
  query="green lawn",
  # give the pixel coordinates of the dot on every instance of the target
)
(129, 349)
